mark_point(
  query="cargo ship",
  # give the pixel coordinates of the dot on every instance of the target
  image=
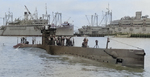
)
(132, 26)
(137, 26)
(31, 25)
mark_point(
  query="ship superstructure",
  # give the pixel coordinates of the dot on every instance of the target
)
(131, 25)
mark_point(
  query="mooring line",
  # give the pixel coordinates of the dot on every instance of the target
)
(126, 44)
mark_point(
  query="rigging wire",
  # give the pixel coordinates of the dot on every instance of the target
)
(126, 44)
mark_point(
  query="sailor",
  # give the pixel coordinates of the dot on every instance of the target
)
(23, 40)
(85, 42)
(69, 41)
(56, 39)
(62, 40)
(33, 40)
(96, 42)
(59, 41)
(52, 40)
(65, 38)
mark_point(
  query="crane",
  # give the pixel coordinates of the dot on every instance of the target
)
(28, 12)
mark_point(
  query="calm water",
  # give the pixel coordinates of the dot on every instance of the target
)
(35, 62)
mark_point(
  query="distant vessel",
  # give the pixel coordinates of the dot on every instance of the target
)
(31, 25)
(95, 29)
(138, 26)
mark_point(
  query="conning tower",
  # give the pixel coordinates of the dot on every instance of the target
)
(46, 32)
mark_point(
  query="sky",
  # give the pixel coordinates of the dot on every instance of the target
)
(76, 10)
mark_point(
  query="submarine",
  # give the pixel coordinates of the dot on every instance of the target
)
(125, 57)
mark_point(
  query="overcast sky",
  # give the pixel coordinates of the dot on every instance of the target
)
(76, 9)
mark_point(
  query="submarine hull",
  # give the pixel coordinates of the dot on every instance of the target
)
(123, 57)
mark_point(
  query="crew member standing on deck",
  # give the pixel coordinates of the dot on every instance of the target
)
(62, 40)
(59, 41)
(85, 42)
(33, 40)
(69, 41)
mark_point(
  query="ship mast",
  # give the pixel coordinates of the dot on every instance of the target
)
(8, 18)
(57, 19)
(94, 20)
(46, 16)
(36, 14)
(107, 17)
(46, 8)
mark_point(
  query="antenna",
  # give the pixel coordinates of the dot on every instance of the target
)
(108, 8)
(36, 13)
(46, 8)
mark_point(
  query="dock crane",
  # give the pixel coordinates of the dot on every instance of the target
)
(28, 12)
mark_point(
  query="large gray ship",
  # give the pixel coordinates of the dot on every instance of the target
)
(94, 28)
(31, 25)
(137, 26)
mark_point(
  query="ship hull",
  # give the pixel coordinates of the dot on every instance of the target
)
(33, 31)
(66, 30)
(121, 31)
(124, 57)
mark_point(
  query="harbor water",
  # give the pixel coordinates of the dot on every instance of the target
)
(35, 62)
